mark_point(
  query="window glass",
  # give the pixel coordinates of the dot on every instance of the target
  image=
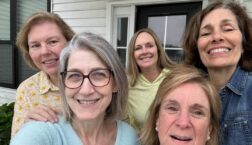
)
(25, 8)
(4, 20)
(170, 30)
(122, 33)
(6, 68)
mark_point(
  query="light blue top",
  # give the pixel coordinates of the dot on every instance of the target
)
(62, 133)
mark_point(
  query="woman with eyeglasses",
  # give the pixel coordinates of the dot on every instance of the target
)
(94, 95)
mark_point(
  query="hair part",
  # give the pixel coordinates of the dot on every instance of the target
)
(191, 34)
(133, 69)
(36, 19)
(108, 55)
(178, 76)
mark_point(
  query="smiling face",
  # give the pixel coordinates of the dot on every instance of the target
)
(220, 39)
(184, 116)
(145, 51)
(88, 102)
(45, 42)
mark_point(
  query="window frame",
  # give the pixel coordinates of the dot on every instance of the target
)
(13, 33)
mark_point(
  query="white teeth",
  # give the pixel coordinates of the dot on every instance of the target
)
(50, 61)
(87, 102)
(146, 57)
(219, 50)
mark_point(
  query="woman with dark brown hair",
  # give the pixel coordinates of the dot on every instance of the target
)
(218, 40)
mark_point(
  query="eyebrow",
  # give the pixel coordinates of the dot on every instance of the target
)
(78, 70)
(199, 106)
(196, 105)
(209, 26)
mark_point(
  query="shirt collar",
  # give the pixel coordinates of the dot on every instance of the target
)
(45, 85)
(238, 81)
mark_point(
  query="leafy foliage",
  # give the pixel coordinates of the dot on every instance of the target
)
(6, 115)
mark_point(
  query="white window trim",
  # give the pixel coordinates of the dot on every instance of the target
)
(133, 4)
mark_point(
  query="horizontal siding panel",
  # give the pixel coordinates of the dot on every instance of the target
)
(248, 5)
(69, 1)
(94, 5)
(86, 22)
(82, 14)
(96, 30)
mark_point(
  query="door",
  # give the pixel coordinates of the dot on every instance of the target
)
(168, 21)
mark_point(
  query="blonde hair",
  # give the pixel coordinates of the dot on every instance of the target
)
(133, 69)
(181, 75)
(35, 19)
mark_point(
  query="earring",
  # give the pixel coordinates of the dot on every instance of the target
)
(208, 136)
(157, 124)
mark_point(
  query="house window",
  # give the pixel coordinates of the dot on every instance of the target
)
(5, 20)
(121, 33)
(121, 43)
(13, 14)
(169, 34)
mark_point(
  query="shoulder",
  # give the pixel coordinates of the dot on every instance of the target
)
(35, 132)
(126, 135)
(30, 81)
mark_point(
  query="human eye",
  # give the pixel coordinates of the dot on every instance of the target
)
(228, 28)
(34, 46)
(205, 33)
(73, 76)
(52, 42)
(149, 45)
(99, 74)
(198, 113)
(137, 48)
(172, 109)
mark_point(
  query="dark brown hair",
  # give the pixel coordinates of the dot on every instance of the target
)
(191, 34)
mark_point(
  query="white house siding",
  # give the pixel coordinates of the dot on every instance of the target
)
(82, 15)
(92, 16)
(7, 95)
(248, 4)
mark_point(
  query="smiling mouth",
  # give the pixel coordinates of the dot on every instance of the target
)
(50, 61)
(219, 50)
(88, 102)
(180, 138)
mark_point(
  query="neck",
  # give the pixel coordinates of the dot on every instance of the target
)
(95, 132)
(151, 73)
(54, 79)
(220, 77)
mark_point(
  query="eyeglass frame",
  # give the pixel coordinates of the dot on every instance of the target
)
(63, 75)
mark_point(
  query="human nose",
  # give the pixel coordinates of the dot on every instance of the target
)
(44, 48)
(183, 120)
(86, 87)
(217, 36)
(144, 49)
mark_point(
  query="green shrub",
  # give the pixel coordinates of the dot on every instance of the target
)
(6, 115)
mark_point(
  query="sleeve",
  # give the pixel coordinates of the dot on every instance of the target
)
(34, 133)
(22, 105)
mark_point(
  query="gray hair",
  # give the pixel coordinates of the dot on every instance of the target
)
(108, 55)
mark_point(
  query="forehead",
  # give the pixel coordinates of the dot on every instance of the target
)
(44, 28)
(188, 94)
(144, 37)
(85, 59)
(219, 15)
